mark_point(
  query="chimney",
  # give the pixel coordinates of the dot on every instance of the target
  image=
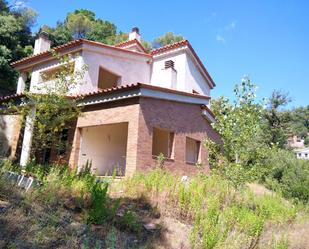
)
(134, 34)
(42, 43)
(170, 74)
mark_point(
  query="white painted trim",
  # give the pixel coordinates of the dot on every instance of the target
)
(208, 116)
(142, 92)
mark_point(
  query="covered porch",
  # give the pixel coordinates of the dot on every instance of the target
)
(104, 147)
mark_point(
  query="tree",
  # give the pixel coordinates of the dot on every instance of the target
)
(101, 30)
(84, 24)
(276, 122)
(118, 38)
(59, 35)
(16, 41)
(78, 24)
(239, 124)
(299, 122)
(166, 39)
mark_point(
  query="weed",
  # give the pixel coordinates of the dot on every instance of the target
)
(111, 239)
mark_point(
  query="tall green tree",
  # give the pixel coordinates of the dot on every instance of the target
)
(239, 124)
(15, 41)
(299, 122)
(276, 121)
(84, 24)
(78, 24)
(166, 39)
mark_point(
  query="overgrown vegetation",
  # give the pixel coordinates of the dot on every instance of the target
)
(70, 202)
(220, 214)
(63, 202)
(254, 141)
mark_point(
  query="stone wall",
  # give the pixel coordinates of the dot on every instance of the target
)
(10, 126)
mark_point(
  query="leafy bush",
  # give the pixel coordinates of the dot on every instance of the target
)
(288, 175)
(100, 211)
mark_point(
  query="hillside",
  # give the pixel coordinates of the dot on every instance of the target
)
(149, 210)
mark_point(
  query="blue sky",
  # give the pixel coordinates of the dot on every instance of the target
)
(267, 40)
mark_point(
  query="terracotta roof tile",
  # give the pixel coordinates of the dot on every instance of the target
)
(141, 85)
(130, 42)
(169, 47)
(72, 44)
(12, 96)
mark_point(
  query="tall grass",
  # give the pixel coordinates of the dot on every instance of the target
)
(217, 210)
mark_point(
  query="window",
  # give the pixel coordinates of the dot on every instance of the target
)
(306, 155)
(192, 150)
(107, 79)
(53, 73)
(162, 142)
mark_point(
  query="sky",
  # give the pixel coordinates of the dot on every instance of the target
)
(267, 40)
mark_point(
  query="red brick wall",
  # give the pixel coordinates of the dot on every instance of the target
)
(117, 112)
(142, 116)
(180, 118)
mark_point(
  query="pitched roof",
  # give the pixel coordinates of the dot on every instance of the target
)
(169, 47)
(182, 44)
(119, 47)
(129, 43)
(72, 44)
(118, 89)
(11, 97)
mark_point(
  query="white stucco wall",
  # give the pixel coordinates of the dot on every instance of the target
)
(188, 76)
(194, 79)
(131, 68)
(37, 84)
(105, 146)
(161, 78)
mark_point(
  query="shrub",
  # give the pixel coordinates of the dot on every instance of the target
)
(288, 175)
(79, 191)
(130, 222)
(98, 212)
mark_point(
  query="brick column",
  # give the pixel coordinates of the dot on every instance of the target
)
(73, 161)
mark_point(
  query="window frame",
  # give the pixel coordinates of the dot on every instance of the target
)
(170, 143)
(197, 150)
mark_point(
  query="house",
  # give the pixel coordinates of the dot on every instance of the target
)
(136, 105)
(302, 153)
(296, 142)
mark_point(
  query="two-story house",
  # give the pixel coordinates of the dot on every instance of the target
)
(136, 104)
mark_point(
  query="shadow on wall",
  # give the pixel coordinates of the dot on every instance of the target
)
(5, 148)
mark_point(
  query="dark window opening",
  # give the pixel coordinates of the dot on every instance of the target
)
(107, 79)
(192, 150)
(162, 142)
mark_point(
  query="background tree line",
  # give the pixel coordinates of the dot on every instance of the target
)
(16, 38)
(16, 41)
